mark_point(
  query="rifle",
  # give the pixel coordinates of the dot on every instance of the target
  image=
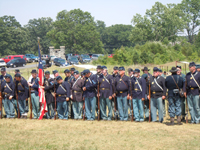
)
(84, 110)
(186, 102)
(149, 100)
(30, 99)
(55, 100)
(18, 115)
(98, 102)
(0, 101)
(131, 106)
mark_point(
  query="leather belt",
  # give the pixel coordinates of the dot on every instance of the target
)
(77, 91)
(191, 88)
(104, 89)
(21, 91)
(122, 91)
(60, 95)
(154, 92)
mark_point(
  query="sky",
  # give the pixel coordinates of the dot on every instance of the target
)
(110, 11)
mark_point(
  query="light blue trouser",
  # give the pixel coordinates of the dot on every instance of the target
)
(35, 105)
(90, 105)
(103, 103)
(77, 109)
(9, 108)
(146, 108)
(156, 103)
(62, 109)
(138, 109)
(183, 106)
(193, 105)
(122, 108)
(164, 111)
(22, 106)
(174, 106)
(51, 112)
(15, 106)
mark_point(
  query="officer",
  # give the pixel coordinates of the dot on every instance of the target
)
(89, 94)
(122, 91)
(198, 68)
(131, 74)
(62, 96)
(77, 95)
(56, 74)
(138, 89)
(105, 84)
(34, 94)
(179, 72)
(158, 94)
(192, 92)
(3, 73)
(72, 71)
(22, 92)
(69, 78)
(49, 94)
(174, 83)
(146, 75)
(8, 91)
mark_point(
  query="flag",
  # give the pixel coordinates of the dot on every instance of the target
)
(42, 100)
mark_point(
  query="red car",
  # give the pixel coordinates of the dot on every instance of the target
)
(110, 55)
(10, 57)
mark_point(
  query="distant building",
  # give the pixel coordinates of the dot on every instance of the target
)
(57, 52)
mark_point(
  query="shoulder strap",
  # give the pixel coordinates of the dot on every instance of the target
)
(124, 83)
(175, 83)
(63, 87)
(158, 84)
(106, 79)
(139, 84)
(194, 80)
(8, 87)
(76, 81)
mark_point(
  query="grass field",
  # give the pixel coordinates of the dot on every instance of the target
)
(85, 135)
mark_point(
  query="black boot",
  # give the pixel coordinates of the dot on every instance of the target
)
(171, 122)
(179, 120)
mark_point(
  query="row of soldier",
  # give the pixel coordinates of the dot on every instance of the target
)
(133, 96)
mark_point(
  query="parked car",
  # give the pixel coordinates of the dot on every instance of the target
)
(55, 60)
(33, 57)
(77, 55)
(2, 63)
(29, 59)
(84, 58)
(68, 55)
(90, 55)
(10, 57)
(44, 65)
(16, 63)
(61, 62)
(53, 57)
(73, 60)
(44, 57)
(94, 56)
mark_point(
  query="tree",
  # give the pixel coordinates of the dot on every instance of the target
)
(76, 31)
(160, 22)
(191, 15)
(100, 26)
(39, 28)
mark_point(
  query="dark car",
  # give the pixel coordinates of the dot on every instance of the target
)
(56, 60)
(16, 63)
(73, 60)
(84, 58)
(61, 62)
(29, 59)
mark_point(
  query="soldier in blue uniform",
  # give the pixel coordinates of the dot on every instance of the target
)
(105, 83)
(55, 73)
(138, 89)
(173, 84)
(49, 94)
(62, 96)
(8, 91)
(158, 93)
(72, 71)
(77, 95)
(89, 94)
(146, 76)
(34, 94)
(3, 73)
(198, 68)
(131, 74)
(69, 77)
(179, 72)
(122, 90)
(22, 92)
(192, 89)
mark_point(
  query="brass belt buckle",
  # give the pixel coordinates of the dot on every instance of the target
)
(75, 91)
(192, 88)
(19, 91)
(59, 95)
(121, 92)
(103, 88)
(154, 92)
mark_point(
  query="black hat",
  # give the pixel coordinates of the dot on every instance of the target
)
(145, 76)
(192, 64)
(47, 72)
(115, 68)
(197, 66)
(33, 71)
(159, 70)
(173, 69)
(145, 69)
(17, 70)
(3, 69)
(82, 73)
(103, 67)
(178, 67)
(164, 71)
(99, 67)
(155, 69)
(72, 69)
(17, 75)
(67, 71)
(7, 76)
(76, 72)
(121, 68)
(58, 78)
(55, 71)
(86, 71)
(137, 70)
(130, 70)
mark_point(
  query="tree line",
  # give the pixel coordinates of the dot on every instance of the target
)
(165, 33)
